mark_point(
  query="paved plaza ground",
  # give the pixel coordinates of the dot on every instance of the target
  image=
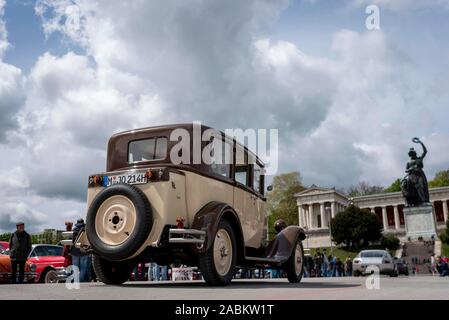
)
(413, 287)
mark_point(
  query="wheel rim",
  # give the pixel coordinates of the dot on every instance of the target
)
(51, 277)
(298, 259)
(222, 252)
(115, 220)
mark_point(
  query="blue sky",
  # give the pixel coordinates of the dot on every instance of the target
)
(346, 100)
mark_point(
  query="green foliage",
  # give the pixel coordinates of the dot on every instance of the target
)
(444, 236)
(441, 179)
(363, 189)
(390, 242)
(394, 187)
(5, 236)
(355, 227)
(281, 200)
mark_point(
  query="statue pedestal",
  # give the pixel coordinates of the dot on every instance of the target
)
(420, 222)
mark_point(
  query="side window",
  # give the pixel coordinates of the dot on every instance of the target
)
(241, 174)
(242, 167)
(220, 157)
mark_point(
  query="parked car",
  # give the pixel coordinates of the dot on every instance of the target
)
(377, 258)
(402, 267)
(148, 207)
(5, 270)
(45, 264)
(4, 245)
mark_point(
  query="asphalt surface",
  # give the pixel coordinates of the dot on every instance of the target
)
(412, 287)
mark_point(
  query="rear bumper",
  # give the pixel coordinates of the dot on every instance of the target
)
(186, 236)
(362, 268)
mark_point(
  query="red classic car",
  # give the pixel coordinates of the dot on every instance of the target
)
(45, 264)
(4, 245)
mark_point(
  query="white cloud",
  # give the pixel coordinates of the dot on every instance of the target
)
(13, 212)
(402, 5)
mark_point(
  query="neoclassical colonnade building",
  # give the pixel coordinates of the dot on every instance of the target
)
(317, 205)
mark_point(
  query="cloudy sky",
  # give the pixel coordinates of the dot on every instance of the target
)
(346, 100)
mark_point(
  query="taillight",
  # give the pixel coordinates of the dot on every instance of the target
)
(180, 222)
(96, 181)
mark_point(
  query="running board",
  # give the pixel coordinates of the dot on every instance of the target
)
(263, 260)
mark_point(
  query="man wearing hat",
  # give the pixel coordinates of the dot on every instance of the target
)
(20, 248)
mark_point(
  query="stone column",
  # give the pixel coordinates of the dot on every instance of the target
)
(300, 222)
(303, 216)
(445, 210)
(310, 207)
(333, 210)
(397, 222)
(384, 218)
(322, 213)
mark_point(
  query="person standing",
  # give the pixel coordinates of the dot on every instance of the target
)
(348, 266)
(20, 248)
(80, 259)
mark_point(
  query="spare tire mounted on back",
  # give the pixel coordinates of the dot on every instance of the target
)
(119, 221)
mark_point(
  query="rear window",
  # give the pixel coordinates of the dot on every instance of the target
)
(372, 254)
(147, 149)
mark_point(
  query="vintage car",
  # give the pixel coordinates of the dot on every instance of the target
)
(45, 264)
(4, 245)
(151, 207)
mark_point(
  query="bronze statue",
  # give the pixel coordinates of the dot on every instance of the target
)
(414, 185)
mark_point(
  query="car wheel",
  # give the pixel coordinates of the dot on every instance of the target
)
(294, 267)
(119, 221)
(111, 272)
(394, 274)
(50, 276)
(217, 264)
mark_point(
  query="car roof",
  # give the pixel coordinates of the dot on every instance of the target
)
(140, 133)
(374, 250)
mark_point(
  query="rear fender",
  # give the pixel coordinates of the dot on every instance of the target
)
(208, 218)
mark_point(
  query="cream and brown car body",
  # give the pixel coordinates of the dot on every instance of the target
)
(188, 203)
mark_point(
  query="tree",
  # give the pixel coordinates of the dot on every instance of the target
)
(5, 236)
(390, 242)
(281, 200)
(394, 187)
(355, 227)
(363, 189)
(441, 179)
(444, 236)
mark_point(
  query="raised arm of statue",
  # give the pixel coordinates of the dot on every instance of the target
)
(416, 140)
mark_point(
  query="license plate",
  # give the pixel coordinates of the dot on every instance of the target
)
(129, 178)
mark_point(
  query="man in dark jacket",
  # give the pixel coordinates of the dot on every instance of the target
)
(81, 259)
(20, 248)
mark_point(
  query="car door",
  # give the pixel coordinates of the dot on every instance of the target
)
(261, 218)
(245, 202)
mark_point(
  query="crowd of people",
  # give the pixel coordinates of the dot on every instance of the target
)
(324, 265)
